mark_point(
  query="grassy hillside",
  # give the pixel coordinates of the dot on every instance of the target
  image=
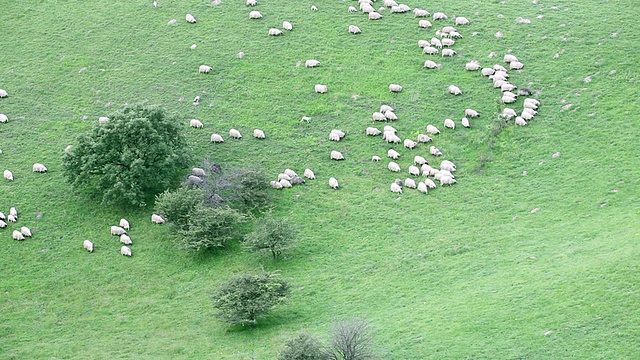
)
(463, 272)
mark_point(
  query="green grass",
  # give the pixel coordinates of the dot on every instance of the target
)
(463, 272)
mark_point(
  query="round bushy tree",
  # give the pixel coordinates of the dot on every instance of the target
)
(303, 347)
(137, 154)
(272, 234)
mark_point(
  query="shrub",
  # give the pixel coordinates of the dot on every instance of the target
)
(352, 340)
(303, 347)
(245, 298)
(245, 189)
(209, 227)
(177, 206)
(137, 154)
(272, 234)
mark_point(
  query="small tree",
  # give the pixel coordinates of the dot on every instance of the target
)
(245, 189)
(245, 298)
(272, 234)
(209, 227)
(176, 206)
(352, 340)
(137, 154)
(303, 347)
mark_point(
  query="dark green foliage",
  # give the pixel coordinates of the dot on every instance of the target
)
(137, 154)
(245, 298)
(245, 189)
(177, 206)
(272, 234)
(303, 347)
(209, 227)
(352, 340)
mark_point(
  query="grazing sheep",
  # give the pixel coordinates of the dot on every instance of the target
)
(520, 121)
(447, 180)
(367, 8)
(430, 184)
(410, 183)
(8, 175)
(372, 131)
(393, 154)
(319, 88)
(410, 144)
(13, 211)
(422, 187)
(39, 168)
(314, 8)
(3, 118)
(124, 224)
(509, 58)
(374, 15)
(196, 124)
(352, 9)
(461, 20)
(334, 137)
(430, 50)
(275, 32)
(447, 165)
(285, 183)
(204, 69)
(448, 29)
(420, 13)
(414, 170)
(427, 170)
(308, 173)
(516, 65)
(471, 113)
(530, 111)
(354, 29)
(103, 120)
(424, 138)
(336, 155)
(529, 105)
(2, 217)
(419, 160)
(196, 100)
(448, 52)
(125, 239)
(532, 101)
(472, 66)
(284, 176)
(508, 87)
(487, 71)
(389, 128)
(216, 138)
(338, 132)
(3, 224)
(391, 138)
(117, 230)
(390, 115)
(465, 122)
(430, 64)
(432, 130)
(235, 134)
(252, 2)
(12, 218)
(395, 88)
(435, 151)
(526, 115)
(333, 183)
(448, 42)
(287, 26)
(378, 116)
(524, 92)
(88, 245)
(255, 15)
(376, 158)
(125, 251)
(395, 188)
(423, 43)
(194, 180)
(509, 113)
(297, 180)
(498, 67)
(290, 172)
(276, 185)
(446, 173)
(448, 123)
(393, 166)
(311, 63)
(385, 108)
(439, 16)
(508, 99)
(17, 235)
(190, 19)
(25, 231)
(305, 118)
(498, 83)
(258, 134)
(454, 90)
(389, 3)
(424, 24)
(436, 42)
(157, 219)
(3, 93)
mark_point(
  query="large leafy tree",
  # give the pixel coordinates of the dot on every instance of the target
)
(137, 154)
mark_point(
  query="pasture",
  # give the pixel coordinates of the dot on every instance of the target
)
(466, 271)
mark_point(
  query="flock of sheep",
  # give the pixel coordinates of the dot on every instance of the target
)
(121, 230)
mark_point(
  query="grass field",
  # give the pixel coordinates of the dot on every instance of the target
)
(465, 272)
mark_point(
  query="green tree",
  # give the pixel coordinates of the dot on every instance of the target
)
(272, 234)
(137, 154)
(245, 298)
(245, 189)
(303, 347)
(177, 206)
(209, 227)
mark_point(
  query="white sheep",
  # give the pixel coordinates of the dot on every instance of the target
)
(509, 113)
(393, 154)
(430, 184)
(436, 42)
(498, 67)
(508, 87)
(516, 65)
(423, 43)
(194, 180)
(472, 65)
(448, 52)
(471, 113)
(336, 155)
(157, 219)
(88, 245)
(196, 124)
(25, 231)
(424, 24)
(461, 20)
(13, 211)
(8, 175)
(446, 173)
(319, 88)
(68, 148)
(389, 128)
(427, 170)
(448, 123)
(276, 185)
(2, 217)
(17, 235)
(465, 122)
(414, 170)
(410, 183)
(432, 130)
(125, 251)
(378, 116)
(311, 63)
(103, 120)
(252, 2)
(393, 166)
(290, 172)
(374, 15)
(410, 144)
(430, 50)
(509, 58)
(367, 8)
(285, 183)
(3, 118)
(12, 218)
(333, 183)
(275, 32)
(447, 180)
(354, 29)
(314, 8)
(487, 71)
(255, 15)
(196, 99)
(391, 138)
(3, 93)
(3, 224)
(352, 9)
(447, 165)
(117, 230)
(376, 158)
(508, 99)
(448, 42)
(419, 160)
(430, 64)
(420, 13)
(334, 137)
(424, 138)
(125, 239)
(39, 168)
(389, 3)
(435, 151)
(125, 224)
(204, 69)
(530, 111)
(395, 188)
(390, 115)
(395, 88)
(190, 18)
(439, 16)
(216, 138)
(308, 173)
(287, 26)
(520, 121)
(454, 90)
(340, 133)
(258, 134)
(422, 187)
(284, 176)
(526, 115)
(235, 134)
(372, 131)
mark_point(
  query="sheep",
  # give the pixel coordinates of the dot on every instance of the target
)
(3, 224)
(194, 180)
(334, 137)
(314, 8)
(308, 173)
(311, 63)
(439, 16)
(17, 235)
(285, 183)
(3, 93)
(376, 158)
(258, 134)
(508, 87)
(190, 19)
(516, 65)
(393, 154)
(255, 15)
(472, 66)
(275, 32)
(448, 123)
(498, 83)
(3, 118)
(372, 131)
(530, 111)
(204, 69)
(414, 170)
(389, 128)
(367, 8)
(338, 132)
(526, 115)
(196, 124)
(352, 9)
(216, 138)
(392, 166)
(447, 180)
(117, 230)
(520, 121)
(374, 15)
(25, 231)
(39, 168)
(420, 13)
(389, 3)
(465, 122)
(498, 67)
(390, 115)
(454, 90)
(196, 100)
(427, 170)
(252, 2)
(432, 130)
(276, 185)
(13, 211)
(8, 175)
(487, 71)
(378, 116)
(448, 52)
(395, 88)
(410, 144)
(423, 43)
(509, 113)
(435, 151)
(124, 224)
(436, 42)
(103, 120)
(157, 219)
(429, 50)
(391, 138)
(125, 251)
(419, 160)
(461, 20)
(12, 218)
(471, 113)
(532, 101)
(385, 108)
(297, 180)
(508, 99)
(235, 134)
(333, 183)
(284, 176)
(319, 88)
(424, 24)
(430, 64)
(88, 245)
(287, 26)
(509, 58)
(2, 217)
(422, 187)
(125, 239)
(448, 42)
(410, 183)
(448, 29)
(424, 138)
(430, 184)
(445, 173)
(354, 29)
(529, 105)
(500, 72)
(336, 155)
(447, 165)
(497, 77)
(290, 172)
(395, 188)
